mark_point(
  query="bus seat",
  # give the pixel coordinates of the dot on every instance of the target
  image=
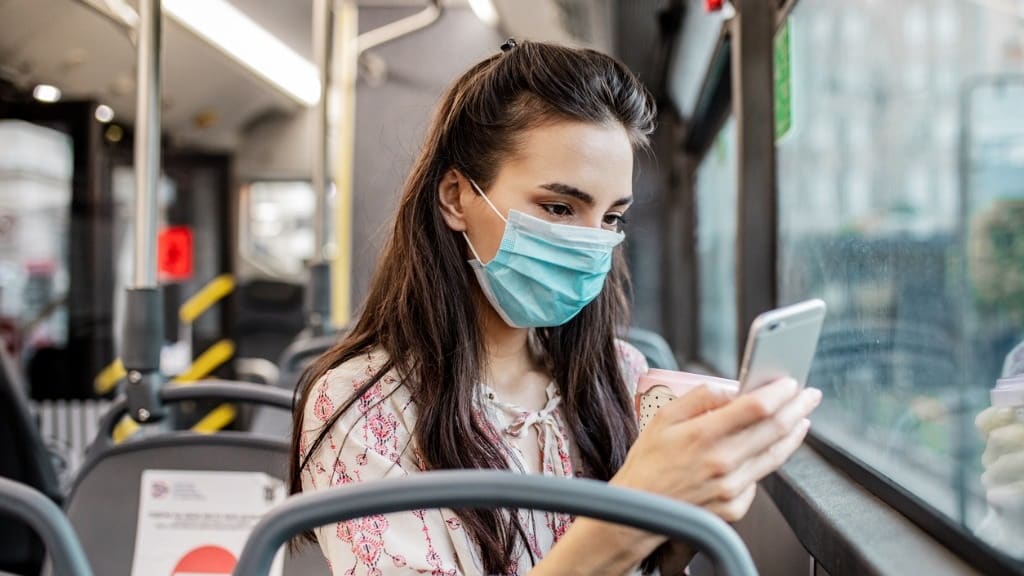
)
(33, 508)
(113, 473)
(657, 351)
(299, 354)
(495, 489)
(268, 316)
(24, 459)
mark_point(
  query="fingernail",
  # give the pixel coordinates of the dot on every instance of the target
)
(815, 395)
(805, 424)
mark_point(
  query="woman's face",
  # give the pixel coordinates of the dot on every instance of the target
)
(571, 173)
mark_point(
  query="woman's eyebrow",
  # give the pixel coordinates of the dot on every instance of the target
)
(574, 192)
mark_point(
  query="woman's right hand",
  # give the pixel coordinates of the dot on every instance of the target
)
(710, 448)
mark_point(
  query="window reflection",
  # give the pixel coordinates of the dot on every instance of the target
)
(35, 199)
(901, 204)
(716, 251)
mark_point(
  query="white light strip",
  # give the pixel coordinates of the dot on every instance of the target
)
(238, 36)
(484, 10)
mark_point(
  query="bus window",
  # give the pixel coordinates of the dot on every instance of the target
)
(35, 202)
(921, 263)
(276, 229)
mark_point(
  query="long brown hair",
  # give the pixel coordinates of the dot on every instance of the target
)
(421, 304)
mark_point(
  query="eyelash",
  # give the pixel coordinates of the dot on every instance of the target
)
(565, 211)
(555, 209)
(619, 220)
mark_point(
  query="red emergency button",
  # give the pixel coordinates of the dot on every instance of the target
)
(713, 5)
(174, 253)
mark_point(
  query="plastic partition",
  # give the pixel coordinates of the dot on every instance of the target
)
(33, 508)
(496, 489)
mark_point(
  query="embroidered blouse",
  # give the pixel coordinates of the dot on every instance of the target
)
(373, 440)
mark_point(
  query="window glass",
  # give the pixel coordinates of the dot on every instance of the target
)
(901, 203)
(716, 251)
(35, 204)
(277, 229)
(692, 53)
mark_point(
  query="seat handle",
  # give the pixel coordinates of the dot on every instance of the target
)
(226, 390)
(46, 519)
(495, 489)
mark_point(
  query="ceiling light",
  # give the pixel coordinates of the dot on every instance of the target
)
(46, 93)
(244, 40)
(104, 113)
(484, 10)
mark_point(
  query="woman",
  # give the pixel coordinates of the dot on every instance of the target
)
(488, 339)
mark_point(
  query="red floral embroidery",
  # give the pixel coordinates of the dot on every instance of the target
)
(323, 407)
(383, 427)
(367, 550)
(375, 524)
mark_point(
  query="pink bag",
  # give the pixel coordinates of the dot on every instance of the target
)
(659, 387)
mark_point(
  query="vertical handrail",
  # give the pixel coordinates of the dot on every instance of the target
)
(318, 292)
(351, 45)
(143, 322)
(347, 30)
(323, 48)
(147, 143)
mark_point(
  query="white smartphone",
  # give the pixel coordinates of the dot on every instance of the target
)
(782, 344)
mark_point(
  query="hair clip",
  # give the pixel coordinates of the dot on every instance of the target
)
(509, 45)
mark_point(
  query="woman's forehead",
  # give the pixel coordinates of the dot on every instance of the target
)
(595, 158)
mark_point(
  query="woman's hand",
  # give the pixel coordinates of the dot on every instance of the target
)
(706, 448)
(709, 448)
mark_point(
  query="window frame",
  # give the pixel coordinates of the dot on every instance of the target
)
(751, 70)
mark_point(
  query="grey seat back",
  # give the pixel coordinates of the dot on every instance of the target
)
(654, 348)
(103, 505)
(36, 510)
(495, 489)
(24, 459)
(299, 355)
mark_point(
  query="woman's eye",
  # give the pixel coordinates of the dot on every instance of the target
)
(614, 221)
(559, 210)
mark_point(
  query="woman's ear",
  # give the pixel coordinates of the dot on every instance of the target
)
(449, 196)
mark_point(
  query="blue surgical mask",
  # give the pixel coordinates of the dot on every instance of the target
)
(543, 273)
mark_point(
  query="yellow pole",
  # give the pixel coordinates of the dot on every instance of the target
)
(347, 34)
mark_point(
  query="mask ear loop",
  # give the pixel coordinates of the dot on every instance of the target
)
(486, 199)
(493, 207)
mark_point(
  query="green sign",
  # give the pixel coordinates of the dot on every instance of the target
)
(783, 83)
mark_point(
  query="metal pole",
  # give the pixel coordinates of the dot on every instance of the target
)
(348, 54)
(318, 292)
(336, 22)
(323, 46)
(147, 143)
(143, 319)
